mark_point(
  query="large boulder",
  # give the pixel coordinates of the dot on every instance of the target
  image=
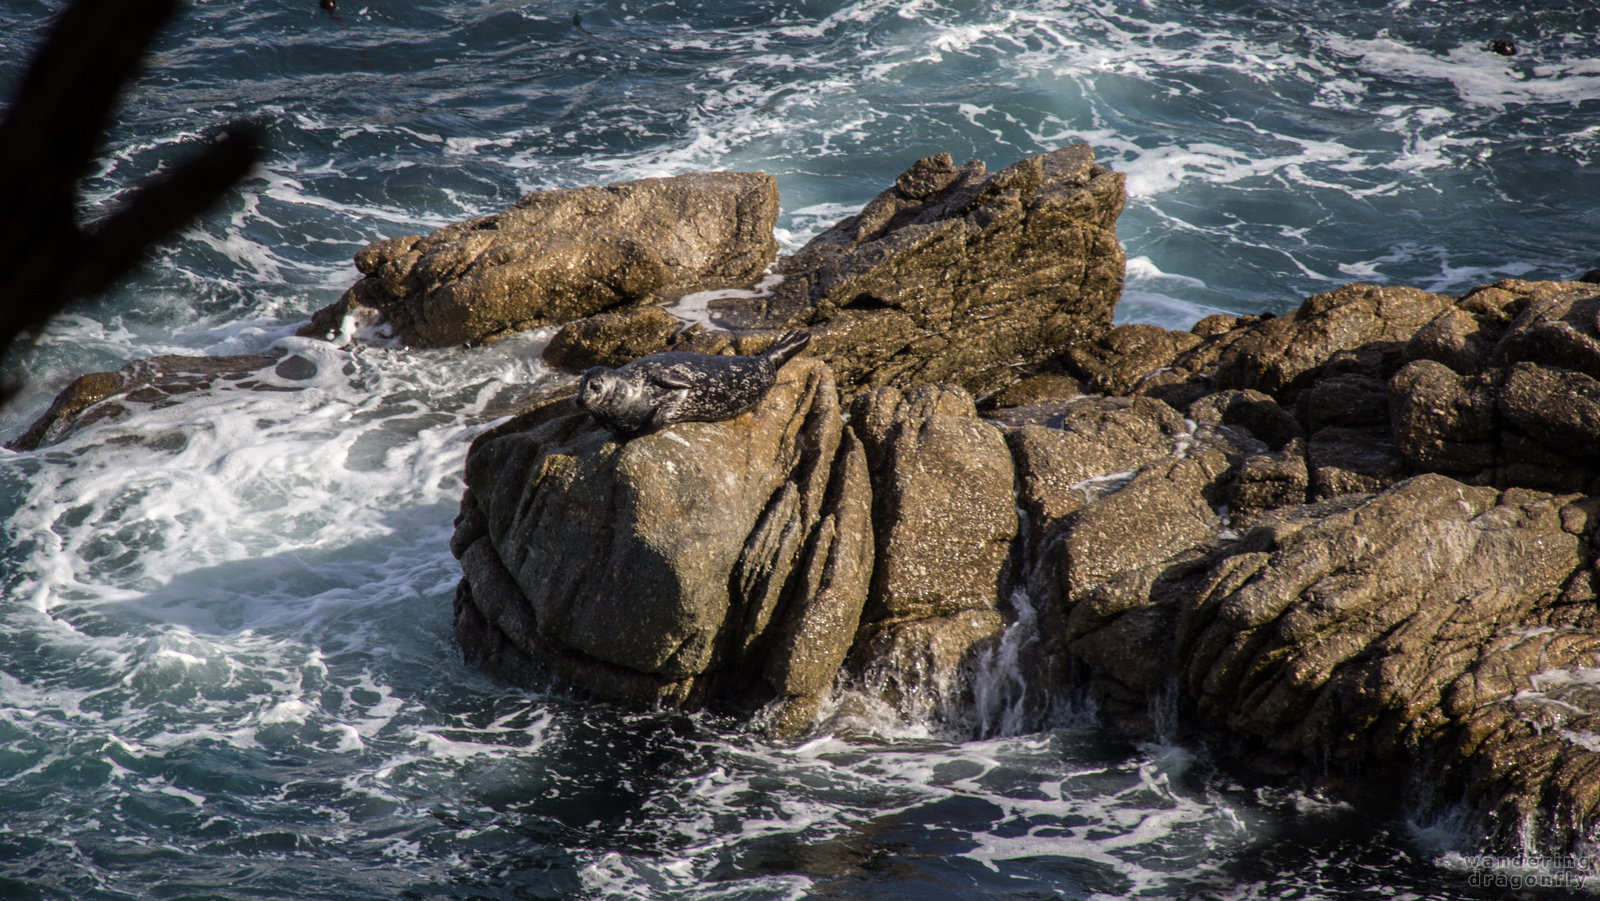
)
(708, 562)
(955, 275)
(1384, 571)
(556, 256)
(944, 516)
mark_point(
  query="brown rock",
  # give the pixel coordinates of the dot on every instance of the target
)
(672, 567)
(1163, 512)
(1123, 358)
(945, 518)
(943, 507)
(1558, 408)
(1557, 326)
(612, 338)
(1282, 356)
(1345, 399)
(1442, 422)
(1433, 622)
(1270, 481)
(1040, 388)
(556, 256)
(1090, 447)
(1457, 339)
(955, 275)
(1252, 411)
(1346, 461)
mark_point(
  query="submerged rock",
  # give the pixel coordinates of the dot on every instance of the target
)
(159, 382)
(556, 256)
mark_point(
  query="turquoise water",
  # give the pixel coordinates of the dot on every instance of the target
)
(226, 664)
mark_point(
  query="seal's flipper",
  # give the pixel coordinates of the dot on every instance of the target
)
(784, 349)
(667, 408)
(672, 381)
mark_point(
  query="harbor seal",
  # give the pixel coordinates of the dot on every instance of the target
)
(676, 386)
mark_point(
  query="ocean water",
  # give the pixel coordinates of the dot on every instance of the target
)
(226, 663)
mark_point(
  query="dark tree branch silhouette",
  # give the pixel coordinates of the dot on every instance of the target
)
(48, 140)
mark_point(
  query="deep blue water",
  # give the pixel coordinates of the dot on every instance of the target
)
(226, 667)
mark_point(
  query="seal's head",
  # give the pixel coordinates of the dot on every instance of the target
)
(597, 390)
(619, 402)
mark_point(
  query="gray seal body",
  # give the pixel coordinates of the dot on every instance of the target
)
(658, 390)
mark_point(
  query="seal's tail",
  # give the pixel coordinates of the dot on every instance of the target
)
(785, 348)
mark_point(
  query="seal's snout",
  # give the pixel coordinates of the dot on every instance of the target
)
(590, 389)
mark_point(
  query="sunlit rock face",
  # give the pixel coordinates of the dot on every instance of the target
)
(709, 561)
(556, 256)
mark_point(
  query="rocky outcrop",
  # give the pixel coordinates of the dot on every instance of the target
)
(735, 563)
(1374, 558)
(1402, 629)
(723, 561)
(612, 338)
(1498, 387)
(556, 256)
(1357, 543)
(1433, 631)
(954, 275)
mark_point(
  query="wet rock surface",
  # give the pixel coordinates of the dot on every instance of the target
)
(159, 382)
